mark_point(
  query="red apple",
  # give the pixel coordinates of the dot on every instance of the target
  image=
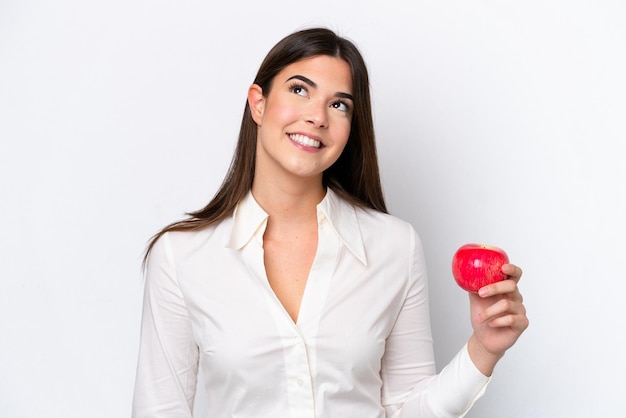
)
(477, 265)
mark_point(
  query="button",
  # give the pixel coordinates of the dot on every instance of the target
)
(299, 382)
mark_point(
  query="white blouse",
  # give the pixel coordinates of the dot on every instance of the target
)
(361, 347)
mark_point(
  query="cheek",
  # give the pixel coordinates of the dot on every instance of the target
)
(342, 133)
(281, 113)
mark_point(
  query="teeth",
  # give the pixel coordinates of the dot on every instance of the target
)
(305, 140)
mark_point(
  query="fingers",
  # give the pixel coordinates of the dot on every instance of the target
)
(502, 303)
(512, 271)
(516, 322)
(504, 287)
(507, 310)
(505, 313)
(498, 312)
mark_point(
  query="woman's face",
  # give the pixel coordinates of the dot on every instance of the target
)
(304, 121)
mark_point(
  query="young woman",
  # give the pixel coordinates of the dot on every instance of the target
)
(293, 289)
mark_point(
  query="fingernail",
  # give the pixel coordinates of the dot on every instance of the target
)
(482, 292)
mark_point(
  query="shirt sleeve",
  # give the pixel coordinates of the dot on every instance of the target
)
(411, 387)
(168, 356)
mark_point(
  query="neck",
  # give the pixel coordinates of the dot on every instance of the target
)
(295, 201)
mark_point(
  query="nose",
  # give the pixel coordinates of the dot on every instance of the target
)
(316, 115)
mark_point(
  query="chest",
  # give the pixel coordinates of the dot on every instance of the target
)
(347, 309)
(288, 261)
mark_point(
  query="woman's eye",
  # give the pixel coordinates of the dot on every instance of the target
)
(299, 90)
(343, 106)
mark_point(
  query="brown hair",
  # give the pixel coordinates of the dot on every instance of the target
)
(354, 176)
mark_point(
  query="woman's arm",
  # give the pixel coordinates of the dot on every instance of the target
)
(168, 356)
(411, 387)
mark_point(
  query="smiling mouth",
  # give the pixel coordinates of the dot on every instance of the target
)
(305, 140)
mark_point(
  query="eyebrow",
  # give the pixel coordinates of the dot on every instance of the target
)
(313, 84)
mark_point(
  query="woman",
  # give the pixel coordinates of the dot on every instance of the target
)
(293, 289)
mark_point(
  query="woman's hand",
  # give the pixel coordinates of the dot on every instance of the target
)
(498, 319)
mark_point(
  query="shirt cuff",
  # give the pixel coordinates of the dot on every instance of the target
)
(457, 387)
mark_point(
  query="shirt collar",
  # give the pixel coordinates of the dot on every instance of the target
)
(343, 219)
(249, 218)
(250, 221)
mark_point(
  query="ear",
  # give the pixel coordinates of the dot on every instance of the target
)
(256, 101)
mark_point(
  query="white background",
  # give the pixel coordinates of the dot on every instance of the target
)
(497, 122)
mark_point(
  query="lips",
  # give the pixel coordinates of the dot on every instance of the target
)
(305, 140)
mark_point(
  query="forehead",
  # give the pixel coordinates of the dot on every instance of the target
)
(324, 70)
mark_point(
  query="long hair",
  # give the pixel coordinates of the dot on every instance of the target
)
(354, 176)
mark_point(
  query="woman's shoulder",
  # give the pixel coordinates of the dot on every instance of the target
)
(390, 240)
(189, 240)
(386, 233)
(371, 222)
(377, 220)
